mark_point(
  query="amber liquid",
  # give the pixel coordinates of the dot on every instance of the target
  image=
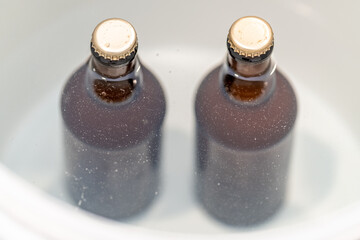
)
(244, 136)
(113, 92)
(244, 90)
(112, 136)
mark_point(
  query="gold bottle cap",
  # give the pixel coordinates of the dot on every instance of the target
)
(114, 39)
(250, 36)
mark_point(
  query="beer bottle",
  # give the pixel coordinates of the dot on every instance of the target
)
(113, 109)
(245, 114)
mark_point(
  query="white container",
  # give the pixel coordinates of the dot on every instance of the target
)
(42, 43)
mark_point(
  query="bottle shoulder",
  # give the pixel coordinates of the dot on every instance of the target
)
(245, 126)
(112, 125)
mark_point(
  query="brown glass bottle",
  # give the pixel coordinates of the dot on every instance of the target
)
(113, 109)
(245, 114)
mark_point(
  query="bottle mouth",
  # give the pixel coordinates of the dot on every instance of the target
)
(256, 59)
(110, 62)
(250, 39)
(114, 41)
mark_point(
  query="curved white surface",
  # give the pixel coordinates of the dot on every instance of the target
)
(323, 197)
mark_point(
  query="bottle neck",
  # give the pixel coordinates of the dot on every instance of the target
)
(112, 71)
(248, 69)
(113, 83)
(248, 82)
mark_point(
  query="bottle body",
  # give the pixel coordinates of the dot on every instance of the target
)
(243, 147)
(112, 141)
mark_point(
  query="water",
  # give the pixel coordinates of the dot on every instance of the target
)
(322, 173)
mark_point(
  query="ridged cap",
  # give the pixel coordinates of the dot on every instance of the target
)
(251, 37)
(114, 40)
